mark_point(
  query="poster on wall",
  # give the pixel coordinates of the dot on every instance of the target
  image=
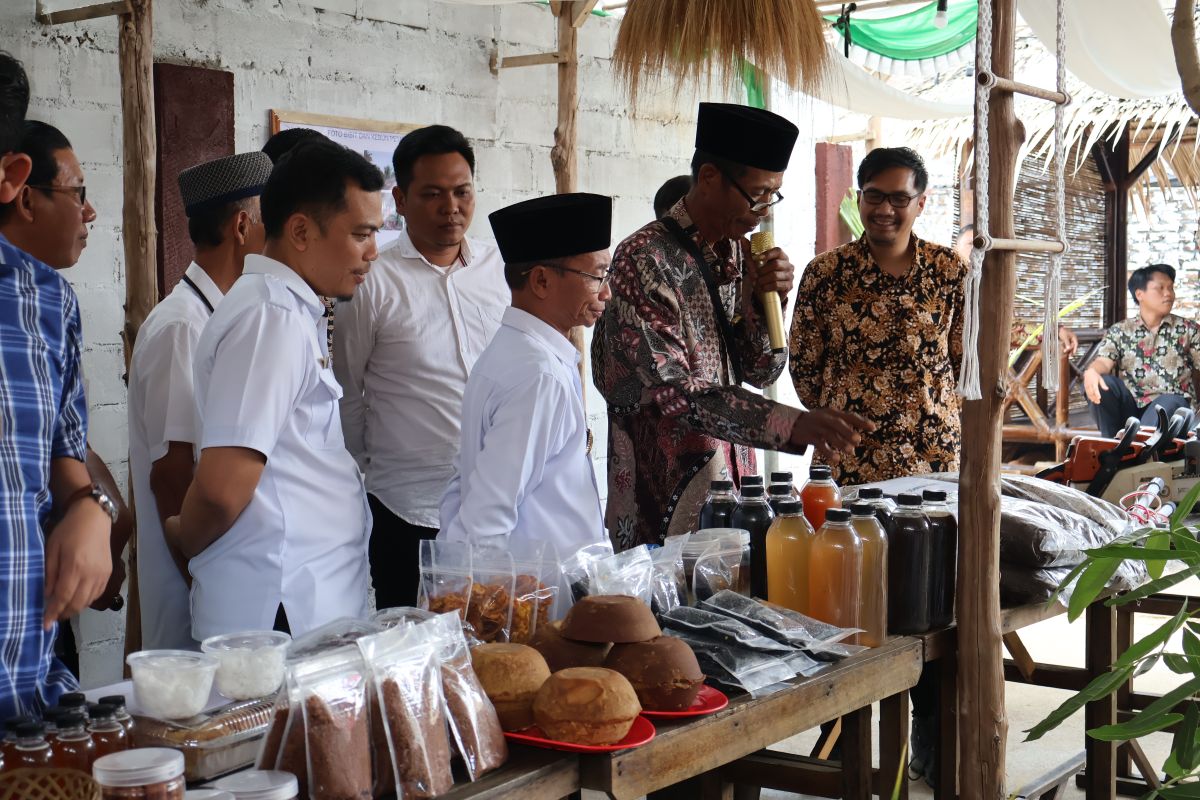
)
(374, 139)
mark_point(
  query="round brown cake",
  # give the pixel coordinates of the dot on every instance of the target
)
(561, 653)
(663, 672)
(586, 705)
(610, 618)
(511, 675)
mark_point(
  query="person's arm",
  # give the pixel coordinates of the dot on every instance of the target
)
(1068, 341)
(760, 366)
(223, 486)
(806, 344)
(78, 559)
(958, 302)
(122, 529)
(355, 340)
(170, 477)
(1107, 356)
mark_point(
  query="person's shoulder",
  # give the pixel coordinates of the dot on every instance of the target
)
(832, 262)
(45, 277)
(172, 315)
(649, 240)
(942, 256)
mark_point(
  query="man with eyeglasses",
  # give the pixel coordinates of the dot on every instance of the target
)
(685, 329)
(878, 329)
(523, 471)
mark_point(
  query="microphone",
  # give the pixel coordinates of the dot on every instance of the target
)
(761, 242)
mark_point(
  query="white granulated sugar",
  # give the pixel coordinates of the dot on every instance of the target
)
(247, 673)
(171, 693)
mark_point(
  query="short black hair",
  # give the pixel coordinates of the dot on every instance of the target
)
(517, 274)
(885, 158)
(40, 141)
(434, 140)
(312, 179)
(14, 102)
(1140, 278)
(206, 226)
(284, 141)
(669, 193)
(728, 168)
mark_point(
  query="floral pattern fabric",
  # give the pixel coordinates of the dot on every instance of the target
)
(676, 420)
(885, 348)
(1153, 363)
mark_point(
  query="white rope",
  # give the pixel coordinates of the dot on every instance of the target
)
(1054, 272)
(968, 377)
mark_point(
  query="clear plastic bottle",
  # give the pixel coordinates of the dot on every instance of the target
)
(779, 480)
(835, 571)
(73, 746)
(789, 542)
(754, 515)
(117, 701)
(819, 495)
(909, 568)
(884, 507)
(751, 480)
(107, 733)
(719, 506)
(873, 610)
(778, 493)
(943, 553)
(32, 750)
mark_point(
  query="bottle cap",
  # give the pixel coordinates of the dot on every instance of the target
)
(11, 723)
(862, 510)
(870, 493)
(721, 486)
(30, 728)
(73, 700)
(934, 496)
(753, 491)
(752, 480)
(779, 489)
(908, 500)
(781, 477)
(837, 515)
(790, 506)
(102, 711)
(115, 700)
(819, 473)
(71, 719)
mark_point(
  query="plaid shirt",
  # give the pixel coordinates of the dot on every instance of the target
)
(43, 415)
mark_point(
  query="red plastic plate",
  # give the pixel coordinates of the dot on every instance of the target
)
(708, 701)
(641, 732)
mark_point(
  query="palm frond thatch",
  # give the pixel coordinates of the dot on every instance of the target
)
(696, 40)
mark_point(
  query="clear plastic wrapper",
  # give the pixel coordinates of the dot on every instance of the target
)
(668, 588)
(722, 628)
(337, 733)
(781, 624)
(804, 664)
(535, 587)
(474, 726)
(401, 617)
(490, 608)
(736, 667)
(718, 568)
(577, 568)
(284, 746)
(628, 572)
(329, 637)
(214, 742)
(445, 577)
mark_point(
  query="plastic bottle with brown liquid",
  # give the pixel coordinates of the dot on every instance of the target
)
(908, 568)
(884, 507)
(32, 750)
(943, 554)
(835, 571)
(117, 701)
(873, 610)
(10, 735)
(819, 495)
(789, 542)
(73, 747)
(754, 515)
(107, 733)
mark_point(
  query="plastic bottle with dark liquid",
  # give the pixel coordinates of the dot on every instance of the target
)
(789, 542)
(819, 495)
(719, 506)
(73, 746)
(778, 493)
(754, 515)
(835, 572)
(873, 496)
(32, 750)
(908, 568)
(751, 480)
(943, 553)
(782, 479)
(108, 734)
(872, 616)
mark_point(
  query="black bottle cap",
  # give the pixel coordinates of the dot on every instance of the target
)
(30, 728)
(790, 506)
(781, 477)
(837, 515)
(73, 700)
(753, 491)
(779, 489)
(71, 719)
(909, 500)
(11, 723)
(870, 493)
(102, 711)
(934, 495)
(862, 510)
(115, 700)
(721, 486)
(752, 480)
(820, 473)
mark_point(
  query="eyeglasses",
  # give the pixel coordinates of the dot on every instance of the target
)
(601, 280)
(755, 205)
(875, 197)
(79, 191)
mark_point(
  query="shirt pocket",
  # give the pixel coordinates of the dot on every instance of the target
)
(324, 420)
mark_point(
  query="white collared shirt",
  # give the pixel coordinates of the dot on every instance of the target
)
(403, 349)
(523, 469)
(162, 410)
(263, 382)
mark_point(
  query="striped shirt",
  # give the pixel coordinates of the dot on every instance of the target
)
(43, 416)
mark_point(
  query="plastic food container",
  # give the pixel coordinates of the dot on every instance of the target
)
(250, 664)
(153, 773)
(172, 684)
(215, 743)
(260, 784)
(208, 794)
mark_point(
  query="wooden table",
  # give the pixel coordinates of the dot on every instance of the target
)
(530, 774)
(702, 747)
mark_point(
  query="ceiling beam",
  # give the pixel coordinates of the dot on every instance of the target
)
(580, 10)
(109, 8)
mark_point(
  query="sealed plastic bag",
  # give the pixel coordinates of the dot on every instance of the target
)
(490, 607)
(474, 726)
(401, 617)
(337, 734)
(445, 576)
(535, 588)
(718, 568)
(577, 568)
(784, 625)
(722, 628)
(331, 636)
(628, 572)
(287, 703)
(736, 667)
(668, 586)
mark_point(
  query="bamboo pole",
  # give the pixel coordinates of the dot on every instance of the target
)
(983, 726)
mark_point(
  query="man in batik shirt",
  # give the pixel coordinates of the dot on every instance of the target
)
(878, 329)
(669, 360)
(1145, 361)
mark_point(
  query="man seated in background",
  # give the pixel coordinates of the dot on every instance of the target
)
(1145, 361)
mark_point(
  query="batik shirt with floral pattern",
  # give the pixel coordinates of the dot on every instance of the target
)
(886, 348)
(677, 419)
(1154, 363)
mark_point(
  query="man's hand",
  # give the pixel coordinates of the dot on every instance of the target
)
(774, 274)
(1093, 384)
(110, 599)
(78, 561)
(1067, 340)
(829, 431)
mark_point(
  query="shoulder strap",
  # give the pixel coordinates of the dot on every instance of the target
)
(710, 281)
(192, 285)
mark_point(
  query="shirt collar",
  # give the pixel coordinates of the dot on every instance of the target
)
(205, 284)
(407, 249)
(554, 341)
(724, 256)
(290, 278)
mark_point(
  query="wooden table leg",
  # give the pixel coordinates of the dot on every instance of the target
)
(1101, 653)
(893, 736)
(947, 742)
(1125, 693)
(856, 754)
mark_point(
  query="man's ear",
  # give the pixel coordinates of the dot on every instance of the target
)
(539, 282)
(14, 171)
(241, 227)
(299, 231)
(400, 198)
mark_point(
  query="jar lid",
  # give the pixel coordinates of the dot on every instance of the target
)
(208, 794)
(837, 515)
(245, 640)
(908, 499)
(139, 767)
(260, 784)
(820, 473)
(934, 495)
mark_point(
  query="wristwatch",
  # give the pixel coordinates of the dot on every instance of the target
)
(99, 495)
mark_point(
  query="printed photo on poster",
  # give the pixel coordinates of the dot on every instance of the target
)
(374, 139)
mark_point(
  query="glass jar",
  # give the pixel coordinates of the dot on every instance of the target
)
(260, 784)
(149, 773)
(107, 734)
(117, 701)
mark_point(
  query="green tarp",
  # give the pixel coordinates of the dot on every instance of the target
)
(912, 36)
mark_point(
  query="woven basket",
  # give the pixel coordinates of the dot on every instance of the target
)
(48, 784)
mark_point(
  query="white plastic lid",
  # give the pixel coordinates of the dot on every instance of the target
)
(246, 640)
(208, 794)
(140, 767)
(260, 784)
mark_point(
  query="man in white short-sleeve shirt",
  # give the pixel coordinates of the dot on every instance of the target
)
(220, 199)
(275, 522)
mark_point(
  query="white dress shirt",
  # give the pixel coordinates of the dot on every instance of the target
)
(404, 347)
(263, 382)
(523, 469)
(162, 410)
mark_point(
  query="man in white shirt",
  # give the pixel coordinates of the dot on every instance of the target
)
(275, 522)
(523, 470)
(220, 199)
(405, 346)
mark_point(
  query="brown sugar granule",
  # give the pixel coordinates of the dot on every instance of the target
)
(339, 744)
(293, 757)
(273, 740)
(419, 741)
(473, 718)
(381, 760)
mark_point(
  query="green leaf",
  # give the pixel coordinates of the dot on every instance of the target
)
(1071, 576)
(1181, 665)
(1147, 644)
(1185, 747)
(1184, 509)
(1172, 698)
(1121, 552)
(1100, 686)
(1154, 587)
(1181, 791)
(1159, 540)
(1140, 725)
(1091, 584)
(1172, 768)
(1191, 643)
(1184, 540)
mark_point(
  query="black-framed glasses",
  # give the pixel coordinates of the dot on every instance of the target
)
(755, 205)
(895, 199)
(78, 191)
(601, 280)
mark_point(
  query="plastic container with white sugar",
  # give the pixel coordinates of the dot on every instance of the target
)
(250, 663)
(171, 684)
